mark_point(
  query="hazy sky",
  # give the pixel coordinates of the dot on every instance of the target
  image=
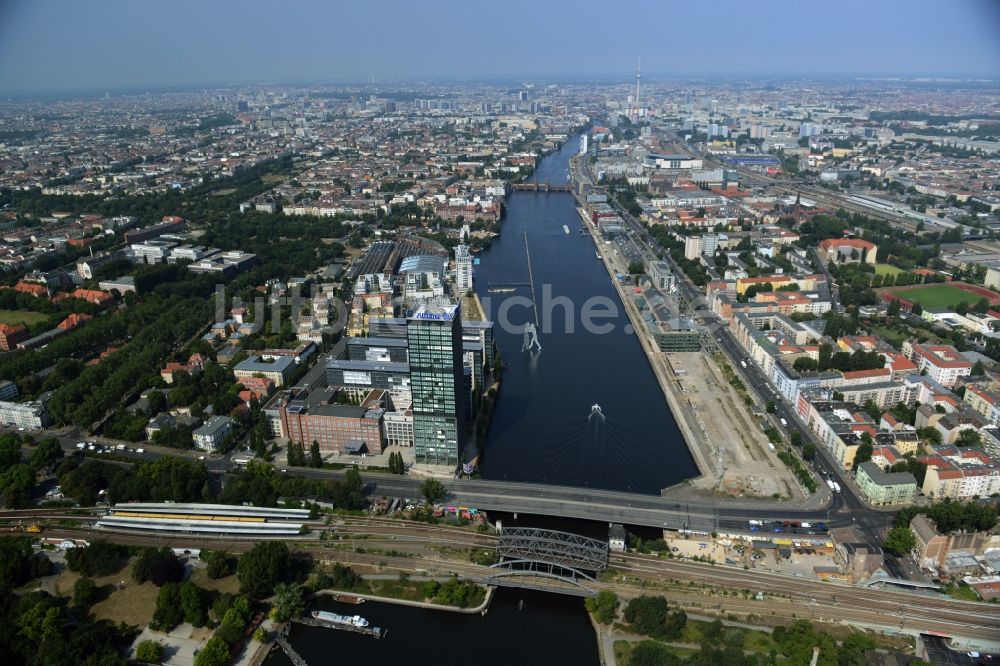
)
(53, 45)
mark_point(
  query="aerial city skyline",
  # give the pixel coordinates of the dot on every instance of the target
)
(129, 46)
(537, 333)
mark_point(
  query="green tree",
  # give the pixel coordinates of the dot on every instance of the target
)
(770, 407)
(288, 602)
(652, 653)
(604, 607)
(169, 612)
(339, 578)
(220, 564)
(16, 558)
(16, 486)
(100, 558)
(262, 567)
(712, 631)
(215, 653)
(432, 490)
(296, 455)
(968, 437)
(930, 435)
(797, 641)
(674, 625)
(41, 622)
(863, 454)
(46, 454)
(158, 565)
(315, 458)
(194, 604)
(647, 615)
(854, 649)
(809, 451)
(899, 541)
(157, 402)
(84, 591)
(150, 652)
(396, 464)
(10, 450)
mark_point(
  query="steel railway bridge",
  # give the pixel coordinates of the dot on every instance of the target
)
(527, 552)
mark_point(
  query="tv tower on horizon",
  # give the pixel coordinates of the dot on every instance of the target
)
(638, 78)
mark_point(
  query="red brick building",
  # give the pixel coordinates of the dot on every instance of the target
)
(343, 428)
(11, 335)
(72, 321)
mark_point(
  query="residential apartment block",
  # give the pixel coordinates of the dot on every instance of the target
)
(960, 473)
(942, 363)
(24, 414)
(213, 433)
(882, 488)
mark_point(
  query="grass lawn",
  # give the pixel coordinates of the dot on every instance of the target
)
(134, 604)
(896, 337)
(938, 296)
(411, 591)
(962, 592)
(230, 584)
(623, 650)
(887, 269)
(24, 316)
(760, 641)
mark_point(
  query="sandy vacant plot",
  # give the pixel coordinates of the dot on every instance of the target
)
(748, 468)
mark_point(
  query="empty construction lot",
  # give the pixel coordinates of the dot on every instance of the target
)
(730, 432)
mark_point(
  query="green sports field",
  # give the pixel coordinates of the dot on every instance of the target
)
(937, 296)
(887, 269)
(21, 316)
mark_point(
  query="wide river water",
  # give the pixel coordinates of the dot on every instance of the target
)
(545, 428)
(549, 629)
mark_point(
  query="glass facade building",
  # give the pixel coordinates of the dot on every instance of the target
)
(434, 337)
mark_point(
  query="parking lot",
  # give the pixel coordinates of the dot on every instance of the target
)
(797, 557)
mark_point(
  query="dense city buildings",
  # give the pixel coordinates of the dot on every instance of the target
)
(284, 326)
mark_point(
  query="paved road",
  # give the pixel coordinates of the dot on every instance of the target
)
(538, 499)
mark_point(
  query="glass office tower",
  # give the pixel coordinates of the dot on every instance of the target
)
(434, 336)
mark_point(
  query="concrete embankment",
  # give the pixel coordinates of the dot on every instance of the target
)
(420, 604)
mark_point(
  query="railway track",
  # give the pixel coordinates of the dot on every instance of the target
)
(928, 610)
(785, 596)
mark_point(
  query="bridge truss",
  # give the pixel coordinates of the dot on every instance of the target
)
(550, 553)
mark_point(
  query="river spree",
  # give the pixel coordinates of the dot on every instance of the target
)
(545, 427)
(549, 629)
